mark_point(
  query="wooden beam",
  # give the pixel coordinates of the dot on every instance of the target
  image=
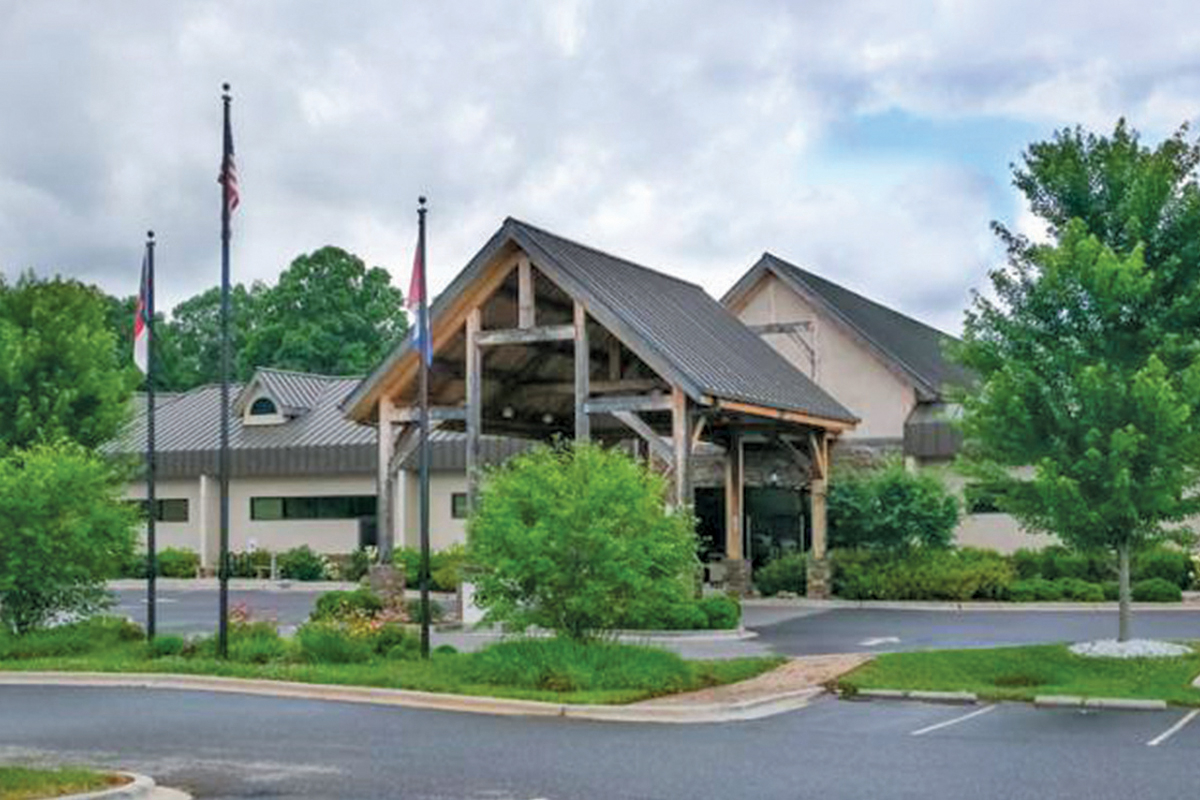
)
(797, 456)
(526, 303)
(436, 413)
(631, 386)
(681, 441)
(780, 327)
(698, 430)
(658, 445)
(798, 417)
(546, 333)
(474, 403)
(819, 447)
(734, 488)
(583, 366)
(607, 404)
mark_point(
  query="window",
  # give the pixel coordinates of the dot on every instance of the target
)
(169, 509)
(350, 506)
(982, 498)
(458, 505)
(262, 407)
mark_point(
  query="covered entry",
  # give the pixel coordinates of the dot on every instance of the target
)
(540, 337)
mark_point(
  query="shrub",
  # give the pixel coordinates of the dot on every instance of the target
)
(1027, 563)
(164, 646)
(1092, 566)
(338, 605)
(891, 508)
(1156, 590)
(577, 541)
(355, 566)
(1174, 566)
(176, 562)
(1035, 589)
(257, 649)
(88, 636)
(64, 529)
(721, 611)
(1080, 590)
(1112, 590)
(327, 643)
(784, 574)
(301, 564)
(248, 564)
(564, 665)
(413, 609)
(445, 567)
(961, 574)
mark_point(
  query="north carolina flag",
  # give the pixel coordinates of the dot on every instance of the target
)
(416, 303)
(141, 321)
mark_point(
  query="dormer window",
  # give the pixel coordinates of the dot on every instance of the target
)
(263, 407)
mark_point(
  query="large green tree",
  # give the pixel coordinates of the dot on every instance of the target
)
(193, 336)
(328, 313)
(1088, 358)
(59, 373)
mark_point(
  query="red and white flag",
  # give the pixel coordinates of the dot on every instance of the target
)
(141, 321)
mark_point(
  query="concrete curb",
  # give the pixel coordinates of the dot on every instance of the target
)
(141, 787)
(626, 637)
(1115, 703)
(950, 698)
(756, 708)
(972, 605)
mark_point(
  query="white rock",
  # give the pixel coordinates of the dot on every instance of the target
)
(1134, 648)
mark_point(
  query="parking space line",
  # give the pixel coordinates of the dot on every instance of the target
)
(1174, 729)
(955, 721)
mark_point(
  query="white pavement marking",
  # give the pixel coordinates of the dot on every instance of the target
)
(878, 640)
(954, 721)
(1174, 729)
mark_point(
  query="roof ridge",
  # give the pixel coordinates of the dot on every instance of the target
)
(604, 253)
(318, 375)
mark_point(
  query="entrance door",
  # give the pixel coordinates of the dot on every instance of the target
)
(776, 522)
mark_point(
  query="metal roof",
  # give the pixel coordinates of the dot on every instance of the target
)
(674, 326)
(916, 348)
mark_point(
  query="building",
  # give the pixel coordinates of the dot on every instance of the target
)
(890, 368)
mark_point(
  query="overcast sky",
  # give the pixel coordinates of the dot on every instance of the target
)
(867, 141)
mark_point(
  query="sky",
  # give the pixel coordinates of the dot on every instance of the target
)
(869, 142)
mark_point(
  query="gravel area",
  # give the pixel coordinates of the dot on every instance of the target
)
(1134, 648)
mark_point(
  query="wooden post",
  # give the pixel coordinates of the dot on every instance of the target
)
(818, 564)
(734, 488)
(400, 481)
(384, 527)
(582, 374)
(614, 358)
(526, 304)
(681, 442)
(474, 404)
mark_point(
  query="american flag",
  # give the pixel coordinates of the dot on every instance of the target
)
(228, 177)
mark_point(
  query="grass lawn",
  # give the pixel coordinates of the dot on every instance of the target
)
(23, 783)
(1021, 673)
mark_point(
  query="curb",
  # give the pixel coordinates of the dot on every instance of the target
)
(624, 636)
(140, 787)
(949, 698)
(1115, 703)
(967, 605)
(756, 708)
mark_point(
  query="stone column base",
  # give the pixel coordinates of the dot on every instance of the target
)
(738, 578)
(819, 583)
(387, 582)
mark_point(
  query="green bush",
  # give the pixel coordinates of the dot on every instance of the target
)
(564, 665)
(1174, 566)
(327, 643)
(1112, 590)
(301, 564)
(1156, 590)
(958, 574)
(1080, 590)
(339, 605)
(891, 508)
(1035, 589)
(177, 562)
(413, 609)
(64, 529)
(78, 638)
(787, 573)
(578, 541)
(356, 566)
(257, 649)
(1026, 563)
(445, 567)
(721, 611)
(249, 564)
(164, 646)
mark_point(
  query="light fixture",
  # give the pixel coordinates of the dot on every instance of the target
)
(773, 478)
(547, 418)
(507, 412)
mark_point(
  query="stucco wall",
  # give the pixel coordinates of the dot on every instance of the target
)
(999, 532)
(184, 535)
(844, 368)
(444, 530)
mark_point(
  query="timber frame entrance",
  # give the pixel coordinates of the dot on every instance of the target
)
(540, 337)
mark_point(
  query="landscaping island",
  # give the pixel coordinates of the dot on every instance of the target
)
(27, 783)
(1024, 673)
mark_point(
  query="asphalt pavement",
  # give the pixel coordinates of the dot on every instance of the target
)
(217, 746)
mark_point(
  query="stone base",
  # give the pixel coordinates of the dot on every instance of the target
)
(819, 584)
(738, 576)
(387, 582)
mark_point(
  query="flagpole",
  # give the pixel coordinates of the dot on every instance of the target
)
(151, 505)
(424, 331)
(223, 466)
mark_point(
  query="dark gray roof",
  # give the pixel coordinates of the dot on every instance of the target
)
(913, 346)
(674, 326)
(317, 440)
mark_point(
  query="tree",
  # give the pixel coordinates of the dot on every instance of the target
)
(194, 334)
(329, 314)
(577, 541)
(59, 374)
(167, 363)
(890, 508)
(63, 529)
(1088, 360)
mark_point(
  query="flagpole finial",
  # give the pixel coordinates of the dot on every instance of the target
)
(150, 235)
(225, 90)
(421, 200)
